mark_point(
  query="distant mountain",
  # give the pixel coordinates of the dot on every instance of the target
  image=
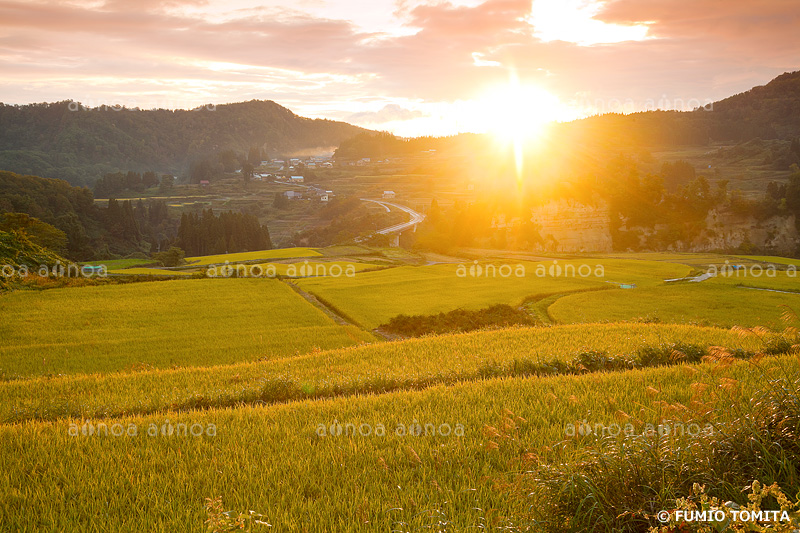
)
(771, 111)
(65, 140)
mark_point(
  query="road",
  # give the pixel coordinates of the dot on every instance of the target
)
(415, 219)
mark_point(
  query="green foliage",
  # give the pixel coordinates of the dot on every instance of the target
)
(91, 231)
(55, 202)
(620, 484)
(39, 232)
(17, 249)
(111, 185)
(456, 321)
(221, 521)
(229, 232)
(349, 219)
(65, 139)
(699, 501)
(171, 258)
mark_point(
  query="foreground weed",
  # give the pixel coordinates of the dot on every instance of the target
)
(220, 521)
(700, 502)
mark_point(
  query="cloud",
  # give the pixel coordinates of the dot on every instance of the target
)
(315, 59)
(388, 113)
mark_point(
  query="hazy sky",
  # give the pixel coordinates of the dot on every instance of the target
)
(408, 66)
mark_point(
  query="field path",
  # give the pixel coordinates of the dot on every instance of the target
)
(329, 311)
(335, 315)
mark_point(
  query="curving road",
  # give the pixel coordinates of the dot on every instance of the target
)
(415, 219)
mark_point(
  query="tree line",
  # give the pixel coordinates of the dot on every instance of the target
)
(118, 183)
(205, 233)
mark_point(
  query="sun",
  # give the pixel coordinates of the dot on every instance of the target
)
(519, 112)
(518, 115)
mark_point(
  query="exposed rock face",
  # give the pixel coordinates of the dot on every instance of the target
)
(568, 226)
(725, 231)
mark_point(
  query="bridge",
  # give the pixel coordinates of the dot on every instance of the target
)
(397, 229)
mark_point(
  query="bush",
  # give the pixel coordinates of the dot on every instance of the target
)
(171, 258)
(621, 483)
(460, 320)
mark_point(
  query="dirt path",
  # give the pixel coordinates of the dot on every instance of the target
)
(313, 300)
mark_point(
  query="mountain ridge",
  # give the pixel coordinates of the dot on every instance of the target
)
(69, 141)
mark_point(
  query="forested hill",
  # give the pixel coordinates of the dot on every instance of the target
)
(68, 141)
(771, 111)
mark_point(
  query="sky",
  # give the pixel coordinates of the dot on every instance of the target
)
(412, 67)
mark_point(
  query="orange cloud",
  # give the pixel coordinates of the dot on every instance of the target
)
(163, 51)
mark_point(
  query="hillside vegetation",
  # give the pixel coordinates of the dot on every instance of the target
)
(68, 141)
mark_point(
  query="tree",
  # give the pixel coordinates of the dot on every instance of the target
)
(280, 201)
(38, 232)
(793, 191)
(677, 174)
(205, 169)
(247, 172)
(228, 160)
(254, 156)
(434, 213)
(167, 183)
(149, 179)
(171, 258)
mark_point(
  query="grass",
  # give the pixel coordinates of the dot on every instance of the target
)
(274, 461)
(771, 259)
(373, 298)
(148, 272)
(349, 371)
(706, 303)
(273, 375)
(346, 250)
(281, 253)
(117, 264)
(775, 280)
(335, 269)
(171, 323)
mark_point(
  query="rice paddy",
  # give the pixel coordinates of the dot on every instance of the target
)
(128, 406)
(161, 324)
